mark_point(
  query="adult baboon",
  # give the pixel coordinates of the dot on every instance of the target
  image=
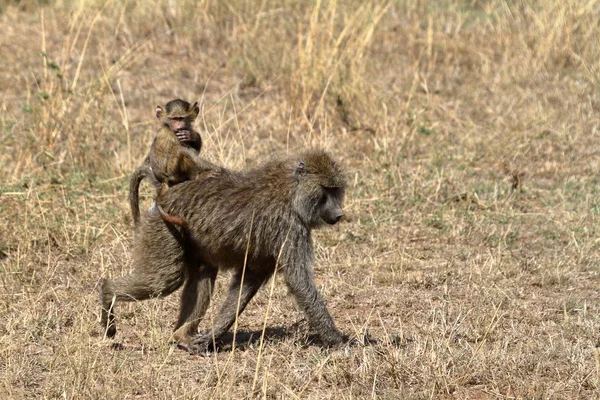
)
(260, 218)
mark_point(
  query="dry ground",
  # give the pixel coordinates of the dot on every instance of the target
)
(470, 129)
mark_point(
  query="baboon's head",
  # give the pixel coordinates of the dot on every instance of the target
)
(178, 114)
(319, 196)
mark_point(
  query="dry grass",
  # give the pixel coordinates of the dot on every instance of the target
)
(470, 132)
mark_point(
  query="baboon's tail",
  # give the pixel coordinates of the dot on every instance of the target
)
(162, 192)
(134, 191)
(171, 219)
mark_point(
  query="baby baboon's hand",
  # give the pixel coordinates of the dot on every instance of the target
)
(184, 136)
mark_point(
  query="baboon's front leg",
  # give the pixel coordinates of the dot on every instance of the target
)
(299, 279)
(227, 314)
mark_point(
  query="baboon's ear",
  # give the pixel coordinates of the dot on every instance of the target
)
(159, 112)
(195, 108)
(299, 171)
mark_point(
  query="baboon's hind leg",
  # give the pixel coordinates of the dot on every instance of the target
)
(195, 299)
(142, 284)
(227, 314)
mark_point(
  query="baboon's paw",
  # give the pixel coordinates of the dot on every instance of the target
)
(330, 340)
(110, 331)
(184, 346)
(201, 345)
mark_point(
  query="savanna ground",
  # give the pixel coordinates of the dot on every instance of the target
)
(469, 266)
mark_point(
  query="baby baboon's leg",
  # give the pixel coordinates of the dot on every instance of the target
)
(142, 284)
(195, 299)
(187, 166)
(227, 314)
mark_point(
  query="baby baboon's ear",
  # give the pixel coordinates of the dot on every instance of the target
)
(159, 112)
(194, 110)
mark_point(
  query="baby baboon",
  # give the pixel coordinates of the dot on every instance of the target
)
(173, 155)
(253, 222)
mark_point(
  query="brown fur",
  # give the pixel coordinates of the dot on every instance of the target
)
(173, 154)
(166, 217)
(261, 218)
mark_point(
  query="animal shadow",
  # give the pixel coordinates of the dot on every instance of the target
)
(247, 339)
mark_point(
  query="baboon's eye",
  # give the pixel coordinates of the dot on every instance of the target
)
(331, 191)
(323, 199)
(328, 192)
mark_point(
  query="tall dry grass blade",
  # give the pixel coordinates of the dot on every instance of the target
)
(125, 120)
(44, 50)
(264, 327)
(86, 43)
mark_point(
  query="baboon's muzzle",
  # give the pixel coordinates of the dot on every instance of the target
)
(333, 218)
